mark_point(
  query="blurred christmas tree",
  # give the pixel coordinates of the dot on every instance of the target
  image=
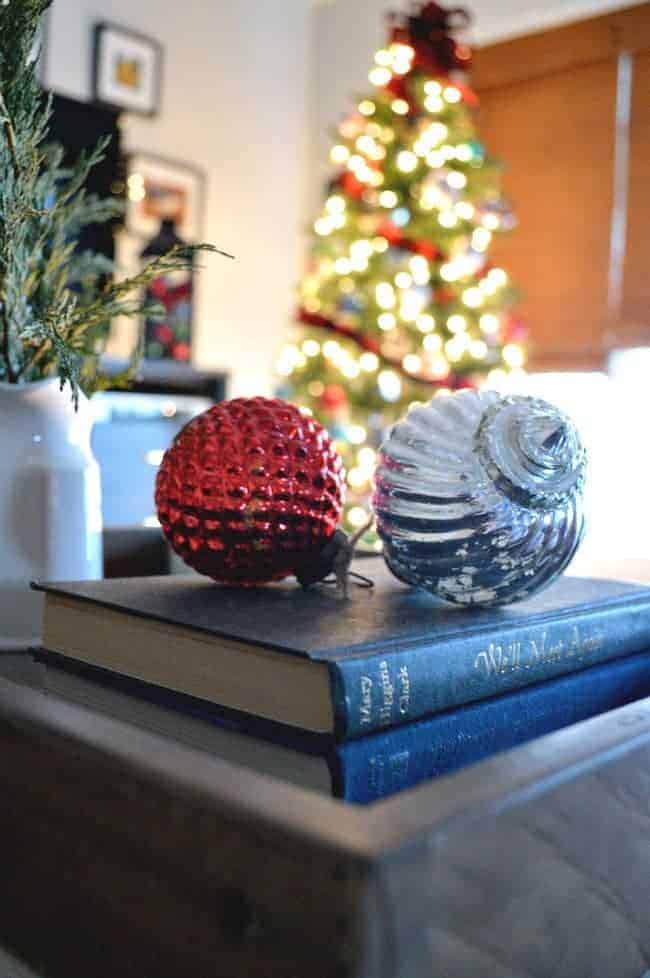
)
(401, 300)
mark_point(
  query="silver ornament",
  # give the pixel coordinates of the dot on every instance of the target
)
(479, 497)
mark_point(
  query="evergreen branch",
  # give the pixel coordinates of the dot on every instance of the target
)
(10, 136)
(113, 299)
(39, 354)
(61, 334)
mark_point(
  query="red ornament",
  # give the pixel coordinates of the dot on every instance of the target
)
(426, 248)
(181, 351)
(349, 183)
(391, 232)
(163, 333)
(250, 491)
(399, 89)
(334, 398)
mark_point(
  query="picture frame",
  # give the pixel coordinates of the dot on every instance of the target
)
(158, 187)
(164, 205)
(127, 69)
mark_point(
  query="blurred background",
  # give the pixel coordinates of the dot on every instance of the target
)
(224, 117)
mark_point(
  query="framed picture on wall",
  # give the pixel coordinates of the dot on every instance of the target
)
(127, 69)
(165, 201)
(160, 189)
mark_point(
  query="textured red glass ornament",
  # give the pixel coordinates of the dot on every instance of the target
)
(250, 491)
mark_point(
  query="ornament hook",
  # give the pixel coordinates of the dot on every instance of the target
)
(335, 558)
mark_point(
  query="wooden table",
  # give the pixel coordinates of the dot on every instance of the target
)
(123, 854)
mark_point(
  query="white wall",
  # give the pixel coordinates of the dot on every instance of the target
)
(234, 102)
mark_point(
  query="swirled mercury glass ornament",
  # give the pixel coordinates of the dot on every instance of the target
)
(478, 497)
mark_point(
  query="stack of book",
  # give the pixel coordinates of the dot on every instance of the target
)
(360, 699)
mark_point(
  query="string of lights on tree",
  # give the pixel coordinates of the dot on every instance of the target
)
(401, 300)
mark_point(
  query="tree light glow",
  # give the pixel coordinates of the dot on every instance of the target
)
(380, 76)
(390, 385)
(369, 362)
(385, 295)
(357, 478)
(403, 280)
(498, 276)
(457, 180)
(432, 343)
(513, 355)
(481, 239)
(401, 216)
(491, 222)
(439, 367)
(412, 363)
(339, 153)
(450, 271)
(451, 94)
(465, 210)
(448, 219)
(335, 204)
(357, 517)
(435, 159)
(323, 226)
(489, 323)
(425, 323)
(367, 457)
(473, 298)
(411, 306)
(388, 198)
(419, 269)
(433, 104)
(386, 321)
(456, 346)
(456, 323)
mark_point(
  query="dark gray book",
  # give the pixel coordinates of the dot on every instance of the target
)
(389, 655)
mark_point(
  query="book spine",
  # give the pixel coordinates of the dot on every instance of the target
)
(399, 685)
(382, 764)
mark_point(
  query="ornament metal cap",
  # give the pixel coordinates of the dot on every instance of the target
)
(531, 451)
(335, 558)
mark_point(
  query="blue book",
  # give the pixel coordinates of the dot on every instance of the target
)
(371, 767)
(306, 659)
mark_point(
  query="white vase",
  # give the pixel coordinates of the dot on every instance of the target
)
(50, 501)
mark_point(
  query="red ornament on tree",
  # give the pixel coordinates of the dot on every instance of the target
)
(251, 491)
(333, 399)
